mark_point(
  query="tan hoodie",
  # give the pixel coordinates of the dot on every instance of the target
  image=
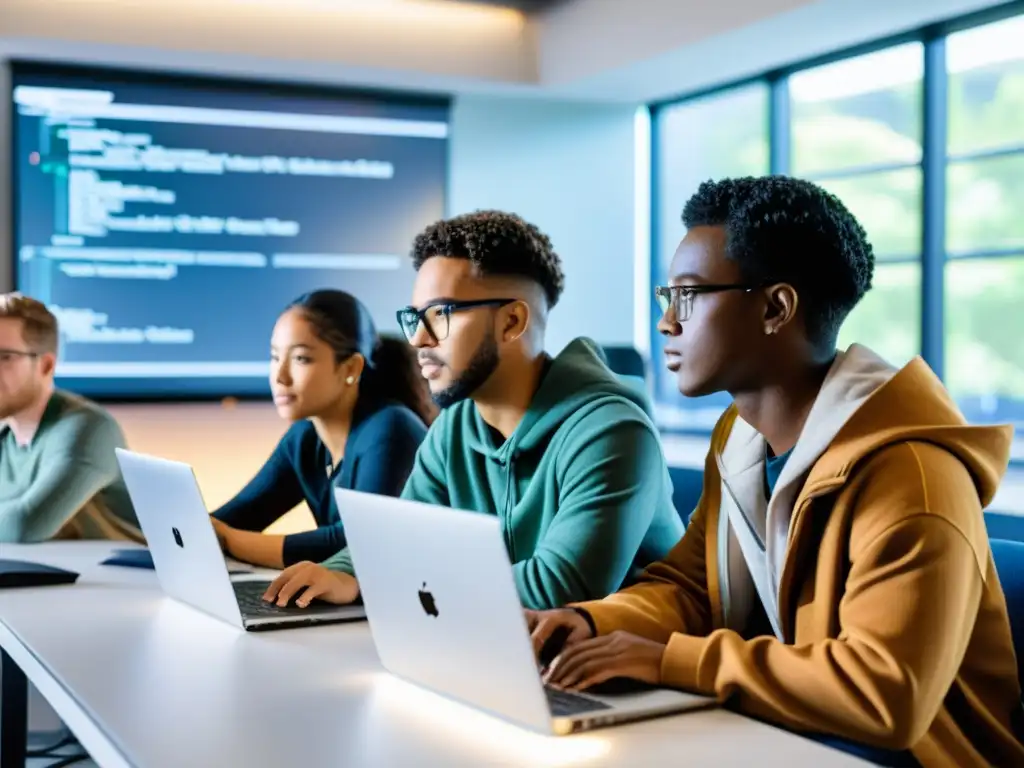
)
(875, 564)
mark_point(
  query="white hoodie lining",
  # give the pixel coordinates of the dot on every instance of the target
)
(855, 375)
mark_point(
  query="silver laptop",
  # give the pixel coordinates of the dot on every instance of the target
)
(445, 614)
(187, 556)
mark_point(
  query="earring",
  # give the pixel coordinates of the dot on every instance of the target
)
(769, 330)
(350, 380)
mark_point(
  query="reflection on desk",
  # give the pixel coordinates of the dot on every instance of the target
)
(144, 681)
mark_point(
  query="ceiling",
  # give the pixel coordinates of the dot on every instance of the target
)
(610, 51)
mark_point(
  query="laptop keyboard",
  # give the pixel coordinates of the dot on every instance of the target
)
(251, 602)
(565, 704)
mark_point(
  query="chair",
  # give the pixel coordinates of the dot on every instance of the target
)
(1002, 525)
(687, 486)
(1009, 560)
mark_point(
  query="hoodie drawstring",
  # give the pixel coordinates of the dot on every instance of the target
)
(509, 467)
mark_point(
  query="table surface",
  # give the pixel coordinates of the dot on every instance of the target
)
(145, 681)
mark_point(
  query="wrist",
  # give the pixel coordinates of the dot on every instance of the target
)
(348, 585)
(587, 618)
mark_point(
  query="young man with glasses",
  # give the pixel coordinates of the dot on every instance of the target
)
(559, 449)
(836, 576)
(58, 474)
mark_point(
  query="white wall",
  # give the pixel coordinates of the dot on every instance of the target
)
(569, 169)
(566, 168)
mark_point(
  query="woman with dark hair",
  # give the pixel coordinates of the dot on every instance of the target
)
(361, 410)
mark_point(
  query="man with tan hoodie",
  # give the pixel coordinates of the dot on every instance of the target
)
(836, 576)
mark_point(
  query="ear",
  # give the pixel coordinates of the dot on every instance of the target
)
(47, 363)
(516, 321)
(352, 368)
(780, 308)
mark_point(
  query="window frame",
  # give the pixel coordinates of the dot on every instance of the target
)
(935, 161)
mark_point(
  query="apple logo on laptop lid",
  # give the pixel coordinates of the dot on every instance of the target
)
(427, 601)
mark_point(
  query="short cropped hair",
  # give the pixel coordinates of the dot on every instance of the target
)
(497, 243)
(781, 229)
(38, 324)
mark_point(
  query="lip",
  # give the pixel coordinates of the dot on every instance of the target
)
(673, 360)
(430, 370)
(281, 399)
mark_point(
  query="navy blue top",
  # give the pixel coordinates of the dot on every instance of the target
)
(378, 458)
(773, 467)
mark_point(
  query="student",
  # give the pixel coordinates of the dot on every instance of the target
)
(58, 474)
(360, 410)
(836, 577)
(558, 448)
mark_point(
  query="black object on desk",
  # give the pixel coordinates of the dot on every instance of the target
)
(21, 573)
(131, 558)
(13, 683)
(141, 558)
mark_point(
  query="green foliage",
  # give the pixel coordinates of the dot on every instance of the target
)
(984, 323)
(985, 210)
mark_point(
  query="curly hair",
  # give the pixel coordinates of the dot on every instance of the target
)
(781, 229)
(499, 244)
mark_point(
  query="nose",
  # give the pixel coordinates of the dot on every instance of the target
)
(668, 325)
(421, 339)
(281, 374)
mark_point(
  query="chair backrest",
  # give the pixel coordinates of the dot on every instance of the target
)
(625, 361)
(1004, 525)
(1009, 560)
(687, 485)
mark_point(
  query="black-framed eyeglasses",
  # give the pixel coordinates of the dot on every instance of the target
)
(679, 298)
(436, 317)
(10, 355)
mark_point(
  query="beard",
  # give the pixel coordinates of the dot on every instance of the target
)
(483, 363)
(18, 401)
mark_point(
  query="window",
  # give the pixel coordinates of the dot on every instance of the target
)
(984, 278)
(711, 138)
(858, 112)
(856, 128)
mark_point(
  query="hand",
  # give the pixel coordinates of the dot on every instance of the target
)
(543, 625)
(223, 531)
(619, 654)
(319, 582)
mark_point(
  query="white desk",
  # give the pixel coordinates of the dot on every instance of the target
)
(143, 681)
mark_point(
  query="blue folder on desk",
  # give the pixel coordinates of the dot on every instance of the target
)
(141, 558)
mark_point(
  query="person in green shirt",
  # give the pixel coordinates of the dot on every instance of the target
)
(560, 449)
(58, 473)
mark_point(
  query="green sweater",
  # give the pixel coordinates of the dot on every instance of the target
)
(66, 480)
(581, 487)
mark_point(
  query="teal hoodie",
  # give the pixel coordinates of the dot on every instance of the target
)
(581, 486)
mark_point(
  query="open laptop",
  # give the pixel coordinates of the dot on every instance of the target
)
(187, 556)
(445, 614)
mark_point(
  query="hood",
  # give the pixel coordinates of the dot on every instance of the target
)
(577, 377)
(910, 404)
(864, 405)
